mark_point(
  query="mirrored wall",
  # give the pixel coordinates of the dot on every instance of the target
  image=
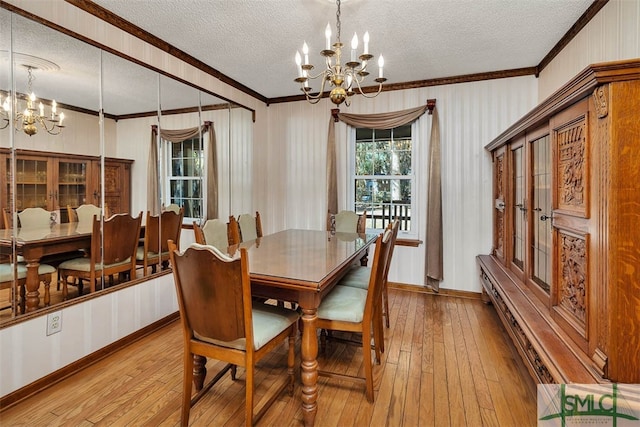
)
(101, 137)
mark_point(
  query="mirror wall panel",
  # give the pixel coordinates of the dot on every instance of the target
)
(130, 105)
(217, 112)
(241, 155)
(110, 105)
(5, 77)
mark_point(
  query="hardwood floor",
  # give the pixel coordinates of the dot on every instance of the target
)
(448, 362)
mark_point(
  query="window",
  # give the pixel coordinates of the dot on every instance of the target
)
(185, 172)
(383, 178)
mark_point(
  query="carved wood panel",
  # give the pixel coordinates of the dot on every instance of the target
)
(571, 173)
(571, 308)
(572, 278)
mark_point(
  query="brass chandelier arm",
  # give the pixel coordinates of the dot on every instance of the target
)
(378, 80)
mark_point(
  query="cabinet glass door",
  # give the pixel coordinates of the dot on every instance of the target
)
(31, 184)
(72, 185)
(519, 209)
(541, 221)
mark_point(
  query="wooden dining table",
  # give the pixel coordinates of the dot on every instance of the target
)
(300, 266)
(35, 243)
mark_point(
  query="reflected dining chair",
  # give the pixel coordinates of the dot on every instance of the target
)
(36, 218)
(46, 274)
(84, 213)
(118, 239)
(7, 219)
(172, 207)
(158, 230)
(352, 309)
(220, 321)
(214, 232)
(250, 227)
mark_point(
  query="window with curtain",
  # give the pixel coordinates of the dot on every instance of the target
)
(383, 178)
(185, 170)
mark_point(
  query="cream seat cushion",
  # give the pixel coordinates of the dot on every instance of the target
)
(268, 322)
(344, 303)
(357, 277)
(6, 271)
(84, 264)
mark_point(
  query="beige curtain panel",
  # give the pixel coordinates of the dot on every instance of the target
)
(174, 136)
(332, 174)
(433, 251)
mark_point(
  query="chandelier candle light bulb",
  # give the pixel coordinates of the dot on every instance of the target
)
(327, 35)
(299, 64)
(354, 47)
(345, 79)
(305, 51)
(365, 39)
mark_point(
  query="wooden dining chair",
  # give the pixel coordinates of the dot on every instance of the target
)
(214, 232)
(233, 231)
(347, 222)
(358, 277)
(250, 227)
(158, 230)
(118, 240)
(351, 309)
(219, 321)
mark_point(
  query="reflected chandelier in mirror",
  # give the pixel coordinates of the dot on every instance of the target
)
(33, 114)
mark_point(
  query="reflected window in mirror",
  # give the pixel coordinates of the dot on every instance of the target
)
(184, 178)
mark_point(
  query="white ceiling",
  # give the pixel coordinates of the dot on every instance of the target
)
(254, 41)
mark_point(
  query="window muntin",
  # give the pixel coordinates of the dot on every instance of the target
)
(383, 176)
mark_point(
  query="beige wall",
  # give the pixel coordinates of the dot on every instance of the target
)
(613, 34)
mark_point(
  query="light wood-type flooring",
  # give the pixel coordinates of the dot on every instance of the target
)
(448, 362)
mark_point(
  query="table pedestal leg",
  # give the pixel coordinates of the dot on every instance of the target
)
(32, 285)
(309, 354)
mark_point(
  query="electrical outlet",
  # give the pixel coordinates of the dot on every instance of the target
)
(54, 323)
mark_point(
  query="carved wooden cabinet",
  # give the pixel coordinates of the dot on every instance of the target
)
(53, 180)
(564, 272)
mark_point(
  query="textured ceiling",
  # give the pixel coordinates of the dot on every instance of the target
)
(254, 41)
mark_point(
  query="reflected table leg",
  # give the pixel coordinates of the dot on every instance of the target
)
(33, 284)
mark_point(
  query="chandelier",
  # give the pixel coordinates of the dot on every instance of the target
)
(345, 79)
(32, 117)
